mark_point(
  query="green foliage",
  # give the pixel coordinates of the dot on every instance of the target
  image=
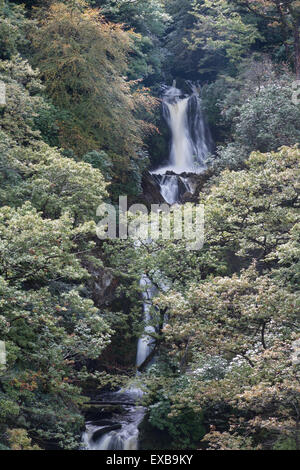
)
(149, 20)
(255, 108)
(46, 330)
(186, 429)
(219, 28)
(182, 61)
(56, 185)
(101, 161)
(84, 61)
(13, 25)
(260, 107)
(282, 16)
(84, 72)
(226, 316)
(48, 321)
(24, 103)
(144, 16)
(268, 120)
(249, 318)
(233, 305)
(19, 440)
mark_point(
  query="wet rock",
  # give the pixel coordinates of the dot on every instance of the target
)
(106, 429)
(103, 285)
(151, 190)
(93, 413)
(187, 197)
(101, 422)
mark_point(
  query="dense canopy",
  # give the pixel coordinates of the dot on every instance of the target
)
(81, 125)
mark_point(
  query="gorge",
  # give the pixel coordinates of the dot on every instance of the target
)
(189, 147)
(184, 336)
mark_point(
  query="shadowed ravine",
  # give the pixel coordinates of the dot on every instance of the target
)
(189, 147)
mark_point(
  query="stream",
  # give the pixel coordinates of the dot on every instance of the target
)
(190, 145)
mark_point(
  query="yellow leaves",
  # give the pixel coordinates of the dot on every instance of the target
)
(19, 440)
(83, 59)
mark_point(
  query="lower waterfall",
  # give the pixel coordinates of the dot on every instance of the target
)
(172, 187)
(126, 437)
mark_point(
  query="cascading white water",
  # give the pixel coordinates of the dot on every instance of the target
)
(181, 157)
(146, 343)
(191, 142)
(169, 188)
(126, 438)
(102, 437)
(173, 186)
(190, 146)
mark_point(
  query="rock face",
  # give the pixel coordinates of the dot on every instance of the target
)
(187, 197)
(189, 185)
(103, 285)
(151, 190)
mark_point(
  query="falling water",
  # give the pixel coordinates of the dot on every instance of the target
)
(121, 431)
(190, 145)
(146, 342)
(126, 438)
(191, 142)
(182, 152)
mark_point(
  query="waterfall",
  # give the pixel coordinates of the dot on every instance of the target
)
(146, 343)
(190, 145)
(191, 141)
(169, 188)
(182, 152)
(126, 438)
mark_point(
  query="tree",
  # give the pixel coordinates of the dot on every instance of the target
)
(83, 59)
(255, 109)
(48, 321)
(183, 61)
(46, 324)
(13, 27)
(286, 15)
(56, 184)
(220, 29)
(27, 115)
(145, 17)
(230, 335)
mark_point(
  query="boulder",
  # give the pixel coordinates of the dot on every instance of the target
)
(187, 197)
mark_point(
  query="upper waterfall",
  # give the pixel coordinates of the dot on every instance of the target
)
(175, 111)
(191, 141)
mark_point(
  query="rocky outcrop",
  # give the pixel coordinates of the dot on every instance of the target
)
(103, 285)
(151, 190)
(101, 422)
(190, 186)
(195, 183)
(187, 197)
